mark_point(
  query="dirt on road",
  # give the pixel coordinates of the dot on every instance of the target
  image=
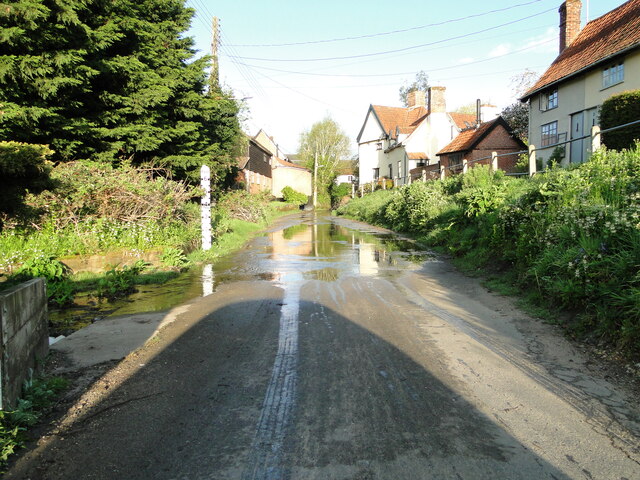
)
(333, 357)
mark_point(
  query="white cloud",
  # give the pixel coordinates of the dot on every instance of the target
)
(500, 50)
(464, 60)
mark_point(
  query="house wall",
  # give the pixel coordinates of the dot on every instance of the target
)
(367, 148)
(581, 94)
(297, 178)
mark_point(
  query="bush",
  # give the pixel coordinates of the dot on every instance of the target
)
(619, 110)
(23, 167)
(292, 196)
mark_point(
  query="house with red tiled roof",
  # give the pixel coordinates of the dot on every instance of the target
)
(476, 144)
(594, 63)
(395, 140)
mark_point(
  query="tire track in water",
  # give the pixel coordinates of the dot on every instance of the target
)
(266, 458)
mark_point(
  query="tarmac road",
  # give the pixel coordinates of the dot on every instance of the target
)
(330, 350)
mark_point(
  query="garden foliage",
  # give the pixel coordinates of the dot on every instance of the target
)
(570, 237)
(619, 110)
(293, 196)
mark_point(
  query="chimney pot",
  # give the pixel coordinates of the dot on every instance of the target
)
(437, 103)
(569, 22)
(416, 98)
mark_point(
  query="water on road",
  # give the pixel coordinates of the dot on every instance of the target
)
(329, 349)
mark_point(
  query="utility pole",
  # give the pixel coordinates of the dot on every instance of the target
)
(315, 179)
(214, 79)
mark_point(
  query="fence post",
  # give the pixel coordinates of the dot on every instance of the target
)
(595, 138)
(362, 190)
(465, 166)
(443, 173)
(494, 161)
(424, 175)
(532, 160)
(353, 190)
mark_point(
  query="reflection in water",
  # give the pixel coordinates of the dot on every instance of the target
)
(313, 247)
(207, 280)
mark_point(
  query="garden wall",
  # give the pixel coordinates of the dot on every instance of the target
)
(24, 336)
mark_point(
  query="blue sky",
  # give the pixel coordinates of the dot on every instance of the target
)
(301, 61)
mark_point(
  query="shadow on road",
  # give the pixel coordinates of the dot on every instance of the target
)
(187, 406)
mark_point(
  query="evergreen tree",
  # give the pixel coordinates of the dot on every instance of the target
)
(113, 81)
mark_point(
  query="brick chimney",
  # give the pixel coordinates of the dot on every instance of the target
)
(569, 22)
(436, 100)
(416, 98)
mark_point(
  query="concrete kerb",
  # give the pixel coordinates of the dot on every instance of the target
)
(113, 338)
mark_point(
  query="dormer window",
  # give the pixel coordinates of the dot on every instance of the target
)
(549, 100)
(613, 74)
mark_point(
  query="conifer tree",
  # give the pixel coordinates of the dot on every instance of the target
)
(112, 81)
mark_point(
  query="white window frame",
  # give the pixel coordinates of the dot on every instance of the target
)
(613, 74)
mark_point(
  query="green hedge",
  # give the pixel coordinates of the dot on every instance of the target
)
(619, 110)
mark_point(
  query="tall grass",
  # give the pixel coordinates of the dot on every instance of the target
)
(569, 238)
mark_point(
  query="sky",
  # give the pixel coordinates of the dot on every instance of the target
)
(295, 63)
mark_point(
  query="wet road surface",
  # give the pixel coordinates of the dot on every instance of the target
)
(333, 350)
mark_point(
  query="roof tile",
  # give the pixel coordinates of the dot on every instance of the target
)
(599, 40)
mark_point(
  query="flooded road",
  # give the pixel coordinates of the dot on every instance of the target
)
(329, 349)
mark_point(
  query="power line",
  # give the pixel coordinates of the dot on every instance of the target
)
(341, 65)
(260, 67)
(413, 47)
(392, 32)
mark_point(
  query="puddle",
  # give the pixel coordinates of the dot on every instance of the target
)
(302, 247)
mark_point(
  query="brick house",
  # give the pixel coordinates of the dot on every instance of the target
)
(478, 143)
(262, 169)
(601, 60)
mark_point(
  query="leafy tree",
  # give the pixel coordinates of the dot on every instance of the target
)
(112, 81)
(467, 108)
(324, 146)
(619, 110)
(420, 83)
(517, 117)
(23, 168)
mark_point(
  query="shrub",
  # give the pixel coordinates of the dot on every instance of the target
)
(23, 167)
(292, 196)
(619, 110)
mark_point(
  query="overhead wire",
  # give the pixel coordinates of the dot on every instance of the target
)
(398, 50)
(260, 67)
(391, 32)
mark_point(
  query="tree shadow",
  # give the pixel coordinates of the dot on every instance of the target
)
(362, 408)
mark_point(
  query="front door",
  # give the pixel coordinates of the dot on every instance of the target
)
(577, 131)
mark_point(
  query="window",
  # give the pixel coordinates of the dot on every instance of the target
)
(376, 173)
(613, 74)
(399, 168)
(549, 133)
(390, 170)
(549, 100)
(379, 146)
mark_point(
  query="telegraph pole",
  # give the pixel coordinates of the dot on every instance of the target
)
(214, 79)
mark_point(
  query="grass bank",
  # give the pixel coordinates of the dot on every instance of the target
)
(567, 240)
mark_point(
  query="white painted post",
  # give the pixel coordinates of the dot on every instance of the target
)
(373, 186)
(532, 160)
(465, 165)
(353, 190)
(595, 138)
(494, 161)
(205, 202)
(443, 172)
(207, 280)
(424, 175)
